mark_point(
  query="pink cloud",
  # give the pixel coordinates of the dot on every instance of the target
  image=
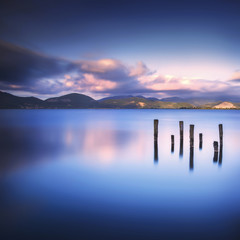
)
(36, 73)
(139, 70)
(99, 66)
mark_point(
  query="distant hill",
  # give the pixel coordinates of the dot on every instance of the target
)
(126, 97)
(209, 105)
(73, 100)
(172, 99)
(200, 102)
(237, 105)
(225, 105)
(81, 101)
(141, 102)
(10, 101)
(116, 97)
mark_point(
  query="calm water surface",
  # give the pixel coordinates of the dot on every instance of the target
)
(93, 174)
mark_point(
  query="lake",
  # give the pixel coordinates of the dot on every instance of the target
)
(95, 174)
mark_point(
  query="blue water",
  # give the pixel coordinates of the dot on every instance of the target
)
(93, 174)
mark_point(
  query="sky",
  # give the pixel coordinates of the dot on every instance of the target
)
(128, 47)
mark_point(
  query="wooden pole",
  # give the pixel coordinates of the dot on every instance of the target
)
(181, 138)
(155, 129)
(220, 126)
(191, 134)
(172, 143)
(200, 140)
(191, 137)
(215, 146)
(155, 124)
(181, 129)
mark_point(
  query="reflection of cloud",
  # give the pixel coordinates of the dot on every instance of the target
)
(98, 147)
(101, 145)
(69, 137)
(31, 145)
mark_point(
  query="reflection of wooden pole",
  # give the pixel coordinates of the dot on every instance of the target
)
(220, 155)
(191, 159)
(200, 140)
(156, 151)
(215, 146)
(191, 136)
(181, 138)
(172, 143)
(220, 126)
(155, 129)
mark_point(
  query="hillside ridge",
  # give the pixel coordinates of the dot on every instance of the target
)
(81, 101)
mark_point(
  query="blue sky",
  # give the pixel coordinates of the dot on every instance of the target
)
(183, 48)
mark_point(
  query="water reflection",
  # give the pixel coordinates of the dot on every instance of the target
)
(181, 149)
(172, 148)
(172, 143)
(101, 143)
(92, 144)
(23, 146)
(220, 155)
(191, 163)
(200, 141)
(96, 168)
(215, 156)
(155, 151)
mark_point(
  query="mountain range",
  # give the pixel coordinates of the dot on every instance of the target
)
(81, 101)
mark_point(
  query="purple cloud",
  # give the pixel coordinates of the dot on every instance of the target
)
(25, 70)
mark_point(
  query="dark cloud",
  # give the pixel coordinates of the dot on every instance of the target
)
(226, 95)
(136, 89)
(159, 79)
(108, 69)
(235, 80)
(20, 66)
(28, 71)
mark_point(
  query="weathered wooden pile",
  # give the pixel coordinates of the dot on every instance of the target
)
(217, 151)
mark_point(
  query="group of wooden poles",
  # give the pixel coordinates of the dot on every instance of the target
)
(191, 138)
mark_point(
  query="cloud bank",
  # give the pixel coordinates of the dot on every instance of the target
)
(35, 73)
